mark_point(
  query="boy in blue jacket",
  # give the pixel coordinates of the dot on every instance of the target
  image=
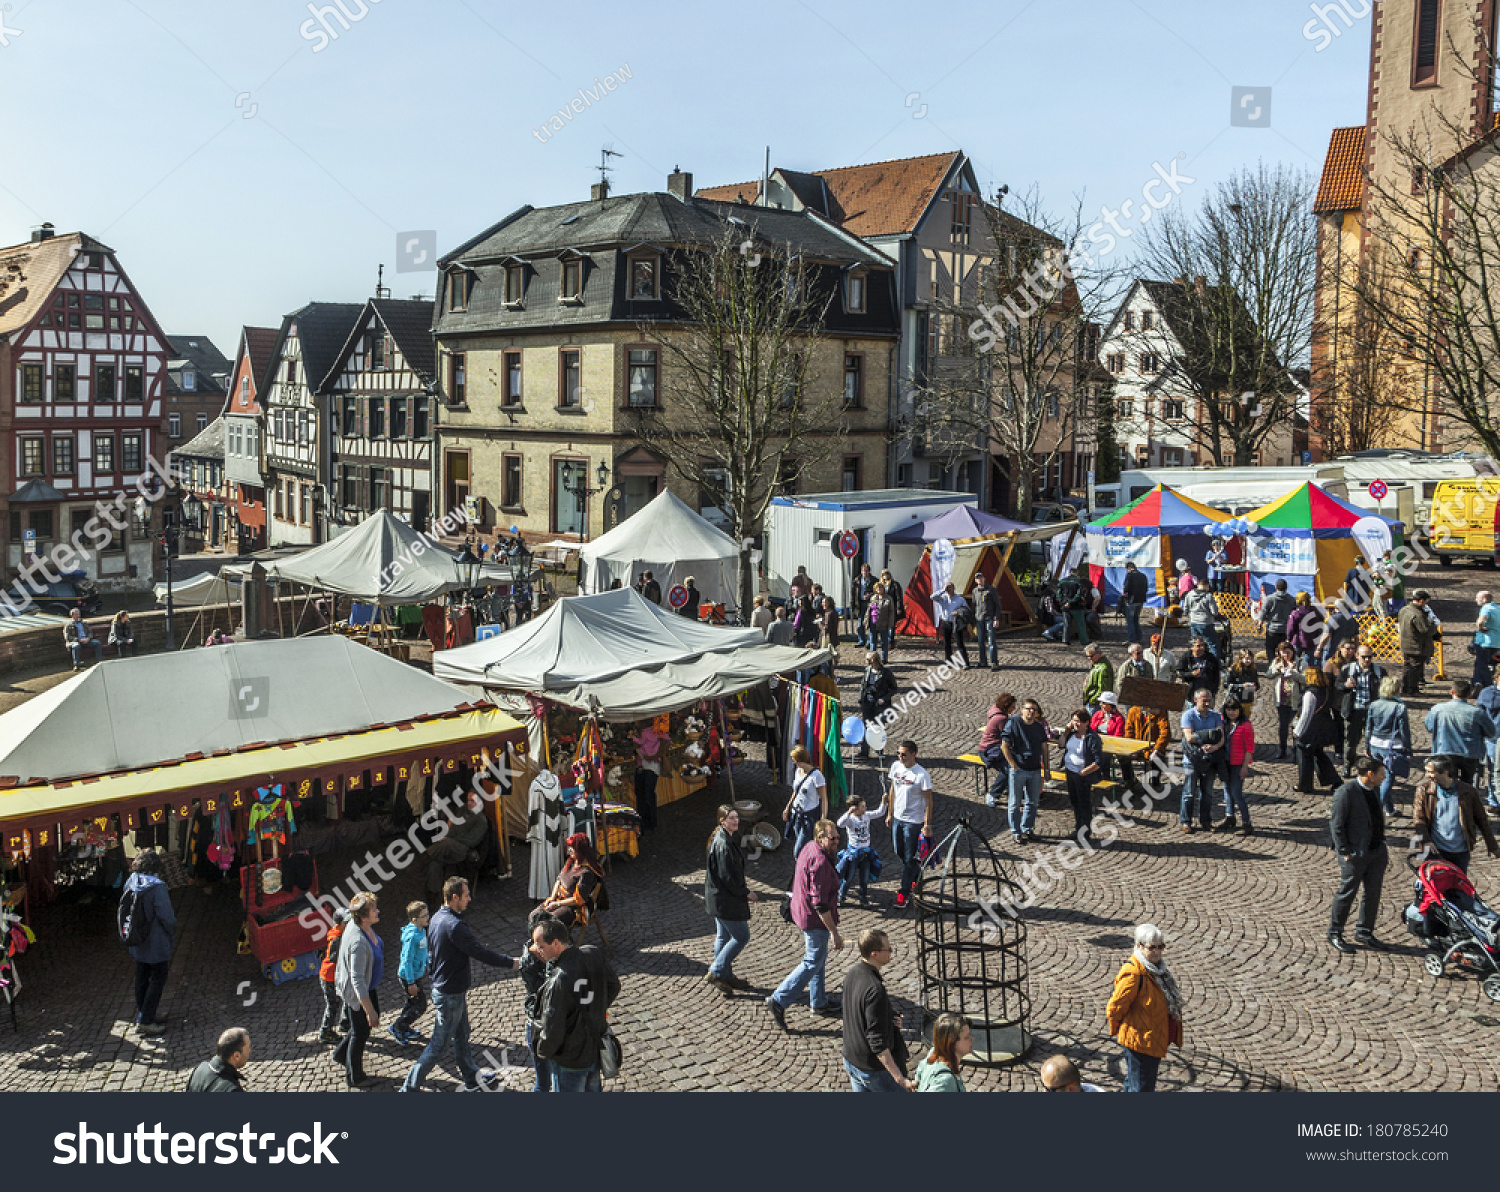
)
(412, 973)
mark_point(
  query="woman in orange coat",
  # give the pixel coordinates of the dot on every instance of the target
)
(1145, 1011)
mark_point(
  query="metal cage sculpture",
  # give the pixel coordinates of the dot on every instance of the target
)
(971, 946)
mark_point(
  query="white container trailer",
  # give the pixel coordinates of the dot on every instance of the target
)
(800, 532)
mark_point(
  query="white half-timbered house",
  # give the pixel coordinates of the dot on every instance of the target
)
(82, 365)
(380, 393)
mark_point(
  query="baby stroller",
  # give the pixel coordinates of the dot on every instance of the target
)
(1455, 924)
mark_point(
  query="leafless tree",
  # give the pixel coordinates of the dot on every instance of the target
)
(1367, 382)
(746, 402)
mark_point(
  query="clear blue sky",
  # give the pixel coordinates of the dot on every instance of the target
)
(122, 117)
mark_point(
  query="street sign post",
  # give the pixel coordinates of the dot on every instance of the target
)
(1378, 490)
(846, 547)
(677, 596)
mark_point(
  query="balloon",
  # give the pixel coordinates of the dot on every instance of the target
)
(515, 529)
(853, 730)
(875, 736)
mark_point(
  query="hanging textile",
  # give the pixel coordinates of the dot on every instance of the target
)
(272, 817)
(545, 832)
(813, 721)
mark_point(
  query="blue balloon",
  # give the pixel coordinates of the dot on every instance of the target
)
(853, 730)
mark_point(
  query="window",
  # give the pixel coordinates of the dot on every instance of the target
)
(31, 382)
(515, 284)
(31, 456)
(642, 378)
(510, 481)
(1130, 320)
(351, 416)
(456, 386)
(1425, 43)
(793, 386)
(104, 383)
(1414, 260)
(65, 383)
(280, 508)
(511, 363)
(304, 504)
(41, 521)
(419, 418)
(189, 381)
(62, 455)
(174, 426)
(135, 383)
(380, 489)
(854, 380)
(570, 393)
(375, 429)
(851, 473)
(643, 277)
(305, 426)
(1115, 362)
(1172, 411)
(458, 291)
(244, 390)
(104, 454)
(567, 510)
(1125, 409)
(572, 279)
(202, 423)
(1054, 404)
(1150, 362)
(854, 293)
(348, 487)
(291, 372)
(1147, 319)
(398, 417)
(962, 205)
(377, 350)
(131, 458)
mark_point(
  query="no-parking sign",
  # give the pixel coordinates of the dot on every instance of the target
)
(1378, 489)
(846, 545)
(677, 596)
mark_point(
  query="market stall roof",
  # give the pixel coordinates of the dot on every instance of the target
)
(208, 588)
(962, 522)
(1161, 511)
(670, 540)
(635, 658)
(239, 714)
(381, 561)
(1311, 512)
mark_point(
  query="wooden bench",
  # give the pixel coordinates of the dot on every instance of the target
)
(978, 768)
(1104, 786)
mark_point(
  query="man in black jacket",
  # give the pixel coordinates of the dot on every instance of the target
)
(874, 1052)
(450, 945)
(1358, 828)
(1133, 593)
(986, 621)
(221, 1074)
(581, 986)
(1198, 668)
(1274, 611)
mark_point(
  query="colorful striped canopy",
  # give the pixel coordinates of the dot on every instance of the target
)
(1161, 511)
(1310, 512)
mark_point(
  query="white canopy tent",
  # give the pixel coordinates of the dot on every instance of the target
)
(635, 659)
(672, 542)
(207, 588)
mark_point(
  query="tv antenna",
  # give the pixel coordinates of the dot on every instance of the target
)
(604, 167)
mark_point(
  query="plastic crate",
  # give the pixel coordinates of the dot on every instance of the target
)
(293, 968)
(271, 943)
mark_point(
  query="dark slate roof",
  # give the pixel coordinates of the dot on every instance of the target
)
(810, 189)
(206, 444)
(323, 328)
(410, 323)
(36, 492)
(209, 365)
(258, 343)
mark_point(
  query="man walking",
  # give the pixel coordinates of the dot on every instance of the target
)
(1358, 827)
(581, 986)
(450, 946)
(1417, 636)
(1361, 688)
(1200, 606)
(1460, 731)
(222, 1074)
(874, 1052)
(909, 814)
(815, 910)
(987, 622)
(1274, 611)
(953, 615)
(149, 926)
(1133, 594)
(864, 590)
(1449, 815)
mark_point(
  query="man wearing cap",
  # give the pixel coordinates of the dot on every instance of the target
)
(1133, 593)
(1101, 675)
(1418, 633)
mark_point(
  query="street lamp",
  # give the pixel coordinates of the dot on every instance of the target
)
(576, 481)
(170, 534)
(469, 566)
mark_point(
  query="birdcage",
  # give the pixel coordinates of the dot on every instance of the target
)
(971, 946)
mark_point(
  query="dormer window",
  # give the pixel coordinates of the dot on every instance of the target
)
(377, 351)
(189, 381)
(572, 279)
(854, 293)
(644, 278)
(458, 290)
(515, 284)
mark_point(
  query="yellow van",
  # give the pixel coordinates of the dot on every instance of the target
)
(1463, 521)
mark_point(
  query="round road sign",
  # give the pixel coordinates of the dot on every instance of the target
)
(677, 596)
(1378, 490)
(847, 544)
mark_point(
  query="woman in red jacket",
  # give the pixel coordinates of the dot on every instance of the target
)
(1241, 741)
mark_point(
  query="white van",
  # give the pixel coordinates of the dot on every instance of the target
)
(1223, 488)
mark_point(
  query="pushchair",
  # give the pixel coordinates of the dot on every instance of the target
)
(1449, 917)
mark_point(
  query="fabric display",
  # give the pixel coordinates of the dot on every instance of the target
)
(545, 832)
(272, 817)
(813, 721)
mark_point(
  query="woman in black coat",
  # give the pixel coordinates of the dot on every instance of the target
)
(1315, 731)
(727, 898)
(876, 693)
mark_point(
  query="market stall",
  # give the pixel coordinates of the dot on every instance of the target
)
(1311, 538)
(261, 736)
(1153, 532)
(672, 542)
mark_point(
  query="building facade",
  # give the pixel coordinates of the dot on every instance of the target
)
(244, 435)
(196, 384)
(208, 517)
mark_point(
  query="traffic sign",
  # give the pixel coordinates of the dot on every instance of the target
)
(1378, 489)
(677, 596)
(846, 545)
(28, 537)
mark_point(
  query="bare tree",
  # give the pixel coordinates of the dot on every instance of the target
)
(1240, 305)
(1366, 385)
(748, 403)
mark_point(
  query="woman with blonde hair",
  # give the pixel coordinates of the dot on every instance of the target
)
(952, 1039)
(1315, 731)
(361, 965)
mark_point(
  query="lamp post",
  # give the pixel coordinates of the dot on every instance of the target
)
(469, 566)
(170, 534)
(576, 481)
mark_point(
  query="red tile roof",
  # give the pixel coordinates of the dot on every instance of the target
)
(1342, 187)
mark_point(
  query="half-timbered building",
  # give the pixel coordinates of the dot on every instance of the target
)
(82, 370)
(207, 511)
(243, 435)
(379, 394)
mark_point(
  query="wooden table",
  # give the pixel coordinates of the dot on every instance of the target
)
(1123, 746)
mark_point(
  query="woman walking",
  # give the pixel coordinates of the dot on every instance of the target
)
(1314, 732)
(1287, 686)
(1145, 1011)
(1239, 735)
(1083, 762)
(877, 691)
(952, 1039)
(1388, 738)
(809, 801)
(727, 898)
(883, 618)
(360, 968)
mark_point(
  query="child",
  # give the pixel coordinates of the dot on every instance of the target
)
(859, 858)
(335, 1014)
(412, 972)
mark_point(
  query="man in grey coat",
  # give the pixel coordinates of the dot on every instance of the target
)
(1358, 828)
(153, 955)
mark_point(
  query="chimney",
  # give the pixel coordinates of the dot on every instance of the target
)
(599, 191)
(680, 184)
(45, 232)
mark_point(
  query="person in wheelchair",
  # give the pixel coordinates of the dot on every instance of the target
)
(579, 891)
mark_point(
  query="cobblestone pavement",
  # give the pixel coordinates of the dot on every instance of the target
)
(1269, 1005)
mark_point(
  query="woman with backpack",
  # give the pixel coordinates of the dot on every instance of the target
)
(148, 927)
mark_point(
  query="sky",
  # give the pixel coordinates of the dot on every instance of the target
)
(245, 158)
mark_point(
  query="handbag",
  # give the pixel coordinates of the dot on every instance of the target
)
(609, 1055)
